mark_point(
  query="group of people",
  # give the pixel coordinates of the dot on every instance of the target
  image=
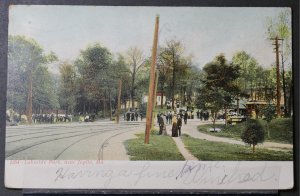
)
(203, 115)
(51, 118)
(133, 115)
(171, 118)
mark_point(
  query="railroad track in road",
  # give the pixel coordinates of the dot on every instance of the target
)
(83, 134)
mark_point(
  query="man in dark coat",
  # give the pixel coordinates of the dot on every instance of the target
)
(128, 116)
(179, 124)
(161, 124)
(185, 117)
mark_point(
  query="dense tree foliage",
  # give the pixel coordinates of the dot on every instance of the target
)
(219, 86)
(269, 112)
(27, 66)
(92, 66)
(67, 88)
(173, 68)
(135, 62)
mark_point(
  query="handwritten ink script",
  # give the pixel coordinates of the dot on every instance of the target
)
(199, 173)
(189, 173)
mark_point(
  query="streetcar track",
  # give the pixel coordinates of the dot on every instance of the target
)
(37, 137)
(34, 129)
(101, 150)
(42, 132)
(46, 141)
(51, 140)
(77, 141)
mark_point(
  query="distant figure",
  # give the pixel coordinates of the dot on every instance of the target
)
(161, 124)
(132, 116)
(170, 117)
(128, 116)
(185, 117)
(52, 118)
(167, 118)
(136, 116)
(198, 114)
(179, 124)
(174, 126)
(141, 115)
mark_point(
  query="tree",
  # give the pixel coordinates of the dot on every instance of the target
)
(253, 133)
(122, 72)
(248, 69)
(211, 99)
(92, 66)
(173, 65)
(67, 88)
(44, 92)
(219, 87)
(135, 60)
(25, 57)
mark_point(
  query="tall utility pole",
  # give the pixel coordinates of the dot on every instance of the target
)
(152, 83)
(283, 82)
(154, 97)
(119, 101)
(277, 75)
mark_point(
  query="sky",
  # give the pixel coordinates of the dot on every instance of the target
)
(204, 31)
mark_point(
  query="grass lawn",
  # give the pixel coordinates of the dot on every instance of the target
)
(159, 148)
(219, 151)
(281, 130)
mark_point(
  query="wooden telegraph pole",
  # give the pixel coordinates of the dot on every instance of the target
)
(119, 101)
(154, 98)
(152, 83)
(277, 76)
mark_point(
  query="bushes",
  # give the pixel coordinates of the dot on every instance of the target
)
(281, 130)
(254, 133)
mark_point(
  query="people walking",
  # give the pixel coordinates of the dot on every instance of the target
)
(185, 117)
(132, 116)
(179, 124)
(160, 124)
(174, 126)
(128, 116)
(141, 115)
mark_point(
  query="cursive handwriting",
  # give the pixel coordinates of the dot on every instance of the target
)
(216, 173)
(192, 172)
(138, 174)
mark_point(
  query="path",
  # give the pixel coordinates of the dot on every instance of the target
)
(180, 145)
(191, 129)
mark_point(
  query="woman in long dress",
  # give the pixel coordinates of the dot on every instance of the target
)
(174, 126)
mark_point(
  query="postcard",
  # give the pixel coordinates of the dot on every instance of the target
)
(137, 97)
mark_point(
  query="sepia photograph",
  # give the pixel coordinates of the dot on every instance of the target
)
(136, 84)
